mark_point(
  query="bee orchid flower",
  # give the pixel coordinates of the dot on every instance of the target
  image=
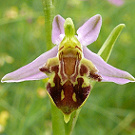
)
(70, 65)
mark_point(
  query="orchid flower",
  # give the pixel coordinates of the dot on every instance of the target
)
(70, 65)
(116, 2)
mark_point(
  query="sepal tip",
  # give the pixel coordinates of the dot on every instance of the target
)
(67, 118)
(5, 79)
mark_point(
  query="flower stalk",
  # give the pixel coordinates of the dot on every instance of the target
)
(71, 124)
(57, 121)
(48, 12)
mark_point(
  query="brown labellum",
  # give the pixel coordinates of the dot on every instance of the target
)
(68, 88)
(68, 97)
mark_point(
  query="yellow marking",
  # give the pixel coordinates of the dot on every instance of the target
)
(67, 117)
(62, 95)
(89, 64)
(74, 97)
(86, 82)
(52, 75)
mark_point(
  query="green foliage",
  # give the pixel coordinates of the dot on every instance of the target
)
(25, 107)
(106, 49)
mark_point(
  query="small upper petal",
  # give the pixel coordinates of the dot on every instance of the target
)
(89, 31)
(108, 72)
(31, 71)
(57, 29)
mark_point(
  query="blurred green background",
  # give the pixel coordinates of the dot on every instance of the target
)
(25, 107)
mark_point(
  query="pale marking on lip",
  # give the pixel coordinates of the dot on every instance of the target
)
(74, 97)
(62, 95)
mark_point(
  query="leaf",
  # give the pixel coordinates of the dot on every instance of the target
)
(107, 47)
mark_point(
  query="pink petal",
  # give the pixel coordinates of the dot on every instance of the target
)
(108, 72)
(58, 29)
(31, 71)
(89, 31)
(116, 2)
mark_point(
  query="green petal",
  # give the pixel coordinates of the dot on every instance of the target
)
(69, 28)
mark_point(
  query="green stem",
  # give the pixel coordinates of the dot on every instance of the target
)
(57, 121)
(48, 12)
(71, 124)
